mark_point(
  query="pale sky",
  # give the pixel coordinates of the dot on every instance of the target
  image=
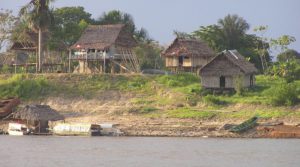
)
(162, 17)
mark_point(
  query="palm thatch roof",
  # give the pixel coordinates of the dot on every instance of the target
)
(102, 37)
(188, 47)
(234, 58)
(38, 113)
(29, 42)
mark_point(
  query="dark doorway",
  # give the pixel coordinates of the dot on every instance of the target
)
(222, 82)
(180, 60)
(251, 80)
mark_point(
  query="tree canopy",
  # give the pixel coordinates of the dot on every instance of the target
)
(288, 55)
(7, 22)
(231, 33)
(69, 22)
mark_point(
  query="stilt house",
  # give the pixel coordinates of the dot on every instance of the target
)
(105, 48)
(187, 55)
(226, 70)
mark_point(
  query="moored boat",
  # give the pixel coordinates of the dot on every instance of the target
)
(65, 129)
(245, 125)
(17, 129)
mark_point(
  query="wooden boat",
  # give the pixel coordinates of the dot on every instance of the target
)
(245, 125)
(64, 129)
(7, 106)
(17, 129)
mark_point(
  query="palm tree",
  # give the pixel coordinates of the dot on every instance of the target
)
(233, 30)
(39, 16)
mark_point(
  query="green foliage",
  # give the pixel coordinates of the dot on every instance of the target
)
(21, 86)
(288, 55)
(178, 80)
(5, 69)
(282, 42)
(7, 22)
(190, 113)
(238, 84)
(69, 23)
(38, 14)
(149, 56)
(213, 100)
(117, 17)
(147, 109)
(283, 94)
(230, 33)
(289, 70)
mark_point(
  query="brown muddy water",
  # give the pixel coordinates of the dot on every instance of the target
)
(37, 151)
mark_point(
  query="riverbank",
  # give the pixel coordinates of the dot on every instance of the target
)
(146, 105)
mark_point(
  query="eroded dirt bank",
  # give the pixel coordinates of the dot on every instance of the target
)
(117, 108)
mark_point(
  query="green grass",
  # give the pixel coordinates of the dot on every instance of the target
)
(190, 113)
(23, 86)
(174, 96)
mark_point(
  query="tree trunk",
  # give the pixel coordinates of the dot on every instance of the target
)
(40, 66)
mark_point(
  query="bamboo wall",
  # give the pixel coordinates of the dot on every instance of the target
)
(190, 62)
(230, 81)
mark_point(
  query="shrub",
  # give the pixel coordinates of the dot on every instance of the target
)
(178, 80)
(212, 100)
(5, 69)
(20, 86)
(238, 84)
(283, 94)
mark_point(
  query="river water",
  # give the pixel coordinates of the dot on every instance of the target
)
(38, 151)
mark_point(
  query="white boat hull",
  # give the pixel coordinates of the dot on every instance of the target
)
(16, 133)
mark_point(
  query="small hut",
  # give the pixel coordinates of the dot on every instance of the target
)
(187, 55)
(38, 117)
(226, 70)
(104, 48)
(27, 45)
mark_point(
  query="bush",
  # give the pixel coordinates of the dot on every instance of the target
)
(283, 94)
(20, 86)
(212, 100)
(178, 80)
(238, 85)
(5, 69)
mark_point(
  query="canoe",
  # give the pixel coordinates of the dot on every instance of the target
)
(250, 123)
(7, 106)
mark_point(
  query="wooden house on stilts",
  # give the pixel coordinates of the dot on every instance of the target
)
(104, 48)
(187, 55)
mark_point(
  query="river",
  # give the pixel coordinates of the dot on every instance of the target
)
(41, 151)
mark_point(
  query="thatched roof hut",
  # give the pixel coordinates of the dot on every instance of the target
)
(102, 46)
(189, 47)
(102, 37)
(28, 42)
(222, 71)
(37, 113)
(188, 54)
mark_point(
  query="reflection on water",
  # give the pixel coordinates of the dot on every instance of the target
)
(35, 151)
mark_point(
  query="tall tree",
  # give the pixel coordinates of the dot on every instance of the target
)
(39, 16)
(69, 23)
(7, 22)
(230, 33)
(288, 55)
(233, 30)
(117, 17)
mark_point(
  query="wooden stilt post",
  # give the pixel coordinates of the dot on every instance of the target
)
(104, 61)
(70, 54)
